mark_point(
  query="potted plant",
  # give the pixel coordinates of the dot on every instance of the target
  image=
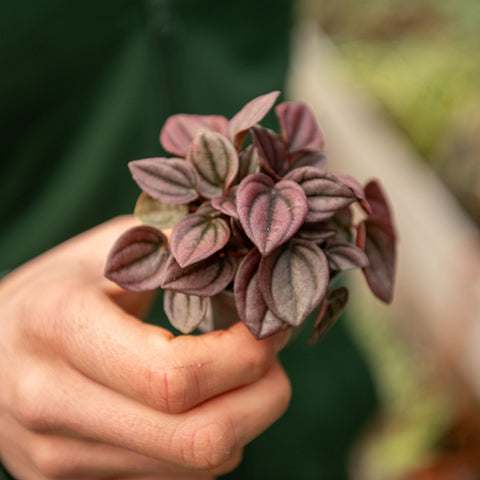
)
(261, 224)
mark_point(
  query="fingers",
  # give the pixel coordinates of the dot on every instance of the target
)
(145, 363)
(204, 438)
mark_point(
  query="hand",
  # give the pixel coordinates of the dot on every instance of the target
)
(91, 392)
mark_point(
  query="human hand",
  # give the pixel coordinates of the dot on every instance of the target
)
(91, 392)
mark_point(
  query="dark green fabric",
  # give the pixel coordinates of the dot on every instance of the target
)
(85, 88)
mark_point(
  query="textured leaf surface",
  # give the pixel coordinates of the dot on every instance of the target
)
(248, 163)
(179, 130)
(137, 258)
(169, 180)
(376, 236)
(330, 311)
(359, 191)
(225, 205)
(197, 237)
(215, 160)
(326, 194)
(309, 159)
(293, 280)
(158, 214)
(345, 256)
(204, 279)
(249, 115)
(185, 312)
(316, 232)
(251, 306)
(271, 151)
(299, 127)
(270, 213)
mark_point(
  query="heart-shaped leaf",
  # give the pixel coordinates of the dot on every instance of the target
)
(204, 279)
(308, 159)
(270, 213)
(251, 307)
(299, 128)
(169, 180)
(136, 260)
(215, 160)
(225, 205)
(359, 191)
(326, 194)
(249, 115)
(197, 237)
(294, 280)
(345, 256)
(179, 130)
(330, 311)
(316, 232)
(272, 151)
(248, 163)
(376, 236)
(185, 312)
(158, 214)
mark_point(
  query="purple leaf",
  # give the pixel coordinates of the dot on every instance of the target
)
(299, 127)
(179, 130)
(270, 213)
(251, 306)
(272, 151)
(204, 279)
(197, 237)
(326, 194)
(225, 205)
(308, 159)
(158, 214)
(316, 232)
(215, 160)
(169, 180)
(330, 311)
(345, 256)
(358, 190)
(293, 280)
(248, 163)
(136, 260)
(249, 115)
(185, 312)
(376, 236)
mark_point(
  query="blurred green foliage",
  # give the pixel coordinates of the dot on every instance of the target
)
(421, 60)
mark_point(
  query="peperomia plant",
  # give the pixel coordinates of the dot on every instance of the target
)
(263, 223)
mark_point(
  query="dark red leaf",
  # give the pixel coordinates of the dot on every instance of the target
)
(248, 163)
(204, 279)
(358, 190)
(316, 232)
(185, 312)
(299, 127)
(169, 180)
(330, 310)
(270, 213)
(293, 280)
(345, 256)
(179, 130)
(272, 151)
(197, 237)
(308, 159)
(326, 194)
(376, 236)
(215, 160)
(225, 205)
(249, 115)
(136, 260)
(251, 306)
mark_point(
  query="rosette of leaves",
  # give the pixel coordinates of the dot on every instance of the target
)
(263, 220)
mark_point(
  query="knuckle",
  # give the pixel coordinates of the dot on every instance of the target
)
(257, 362)
(175, 387)
(30, 405)
(211, 445)
(50, 462)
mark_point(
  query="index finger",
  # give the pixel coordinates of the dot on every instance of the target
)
(147, 363)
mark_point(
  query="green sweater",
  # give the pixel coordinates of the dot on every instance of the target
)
(85, 88)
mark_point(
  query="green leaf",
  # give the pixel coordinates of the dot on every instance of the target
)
(158, 214)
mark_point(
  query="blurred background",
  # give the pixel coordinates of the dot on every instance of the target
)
(395, 86)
